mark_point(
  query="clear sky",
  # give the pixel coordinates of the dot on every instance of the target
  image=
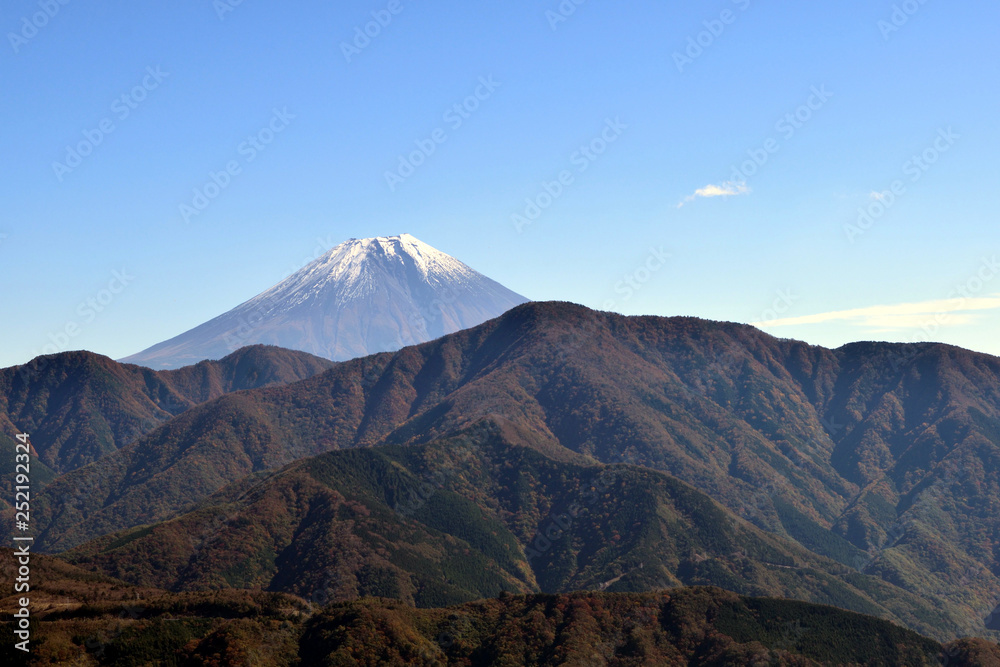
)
(714, 157)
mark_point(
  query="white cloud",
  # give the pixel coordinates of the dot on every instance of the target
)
(899, 316)
(727, 189)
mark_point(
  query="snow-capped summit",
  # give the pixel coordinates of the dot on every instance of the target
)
(363, 296)
(355, 267)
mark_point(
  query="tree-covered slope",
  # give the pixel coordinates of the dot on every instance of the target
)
(882, 457)
(683, 627)
(471, 516)
(80, 406)
(85, 619)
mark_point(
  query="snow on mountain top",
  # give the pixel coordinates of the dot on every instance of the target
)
(351, 270)
(341, 261)
(361, 297)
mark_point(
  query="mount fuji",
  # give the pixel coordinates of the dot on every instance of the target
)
(363, 296)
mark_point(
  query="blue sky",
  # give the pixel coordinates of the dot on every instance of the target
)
(714, 156)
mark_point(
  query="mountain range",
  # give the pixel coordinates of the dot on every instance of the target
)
(80, 406)
(363, 296)
(435, 448)
(872, 465)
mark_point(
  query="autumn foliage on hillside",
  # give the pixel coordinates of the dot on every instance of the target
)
(85, 619)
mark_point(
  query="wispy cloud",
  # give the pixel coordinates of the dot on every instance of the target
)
(727, 189)
(899, 316)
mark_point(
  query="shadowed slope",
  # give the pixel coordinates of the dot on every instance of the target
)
(471, 516)
(883, 457)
